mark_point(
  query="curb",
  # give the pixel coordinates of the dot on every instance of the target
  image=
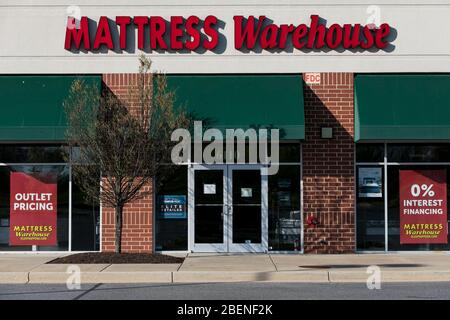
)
(14, 277)
(390, 276)
(103, 277)
(319, 276)
(246, 276)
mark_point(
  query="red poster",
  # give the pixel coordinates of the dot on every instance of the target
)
(33, 210)
(423, 206)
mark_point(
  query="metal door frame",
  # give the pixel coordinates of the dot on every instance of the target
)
(227, 245)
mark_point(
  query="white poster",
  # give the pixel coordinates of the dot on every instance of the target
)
(209, 188)
(246, 192)
(369, 182)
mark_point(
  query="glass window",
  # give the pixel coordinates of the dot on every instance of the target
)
(31, 153)
(290, 152)
(371, 224)
(369, 152)
(58, 174)
(171, 233)
(4, 213)
(85, 221)
(370, 208)
(284, 209)
(209, 201)
(246, 206)
(39, 162)
(418, 152)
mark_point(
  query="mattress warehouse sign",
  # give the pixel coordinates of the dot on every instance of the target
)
(181, 34)
(33, 210)
(423, 207)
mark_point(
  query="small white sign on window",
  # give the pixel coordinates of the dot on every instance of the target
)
(209, 188)
(246, 192)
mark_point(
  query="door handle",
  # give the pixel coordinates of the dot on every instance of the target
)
(225, 211)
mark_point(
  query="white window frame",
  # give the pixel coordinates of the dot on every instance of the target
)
(34, 248)
(385, 165)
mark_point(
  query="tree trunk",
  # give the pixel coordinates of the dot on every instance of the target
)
(118, 242)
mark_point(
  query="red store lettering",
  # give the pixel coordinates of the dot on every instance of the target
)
(315, 36)
(191, 33)
(178, 29)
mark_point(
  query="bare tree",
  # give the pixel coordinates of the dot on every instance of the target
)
(124, 146)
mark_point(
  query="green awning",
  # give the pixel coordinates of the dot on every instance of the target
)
(244, 101)
(402, 107)
(31, 107)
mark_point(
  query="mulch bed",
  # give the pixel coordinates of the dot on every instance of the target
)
(116, 258)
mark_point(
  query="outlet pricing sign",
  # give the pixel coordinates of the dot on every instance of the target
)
(423, 206)
(32, 210)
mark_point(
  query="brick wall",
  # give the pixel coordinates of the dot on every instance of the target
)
(328, 175)
(137, 232)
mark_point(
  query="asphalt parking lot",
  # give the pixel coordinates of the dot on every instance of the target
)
(227, 291)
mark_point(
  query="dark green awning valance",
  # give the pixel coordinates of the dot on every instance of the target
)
(402, 107)
(31, 107)
(244, 101)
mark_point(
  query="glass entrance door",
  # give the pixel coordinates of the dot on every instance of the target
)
(208, 209)
(227, 208)
(247, 202)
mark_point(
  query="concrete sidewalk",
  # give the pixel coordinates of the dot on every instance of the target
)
(405, 267)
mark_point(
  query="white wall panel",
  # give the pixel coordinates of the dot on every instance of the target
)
(32, 37)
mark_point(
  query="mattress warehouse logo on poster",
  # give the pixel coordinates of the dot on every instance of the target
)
(32, 210)
(423, 207)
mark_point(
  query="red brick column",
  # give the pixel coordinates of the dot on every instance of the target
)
(328, 165)
(137, 232)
